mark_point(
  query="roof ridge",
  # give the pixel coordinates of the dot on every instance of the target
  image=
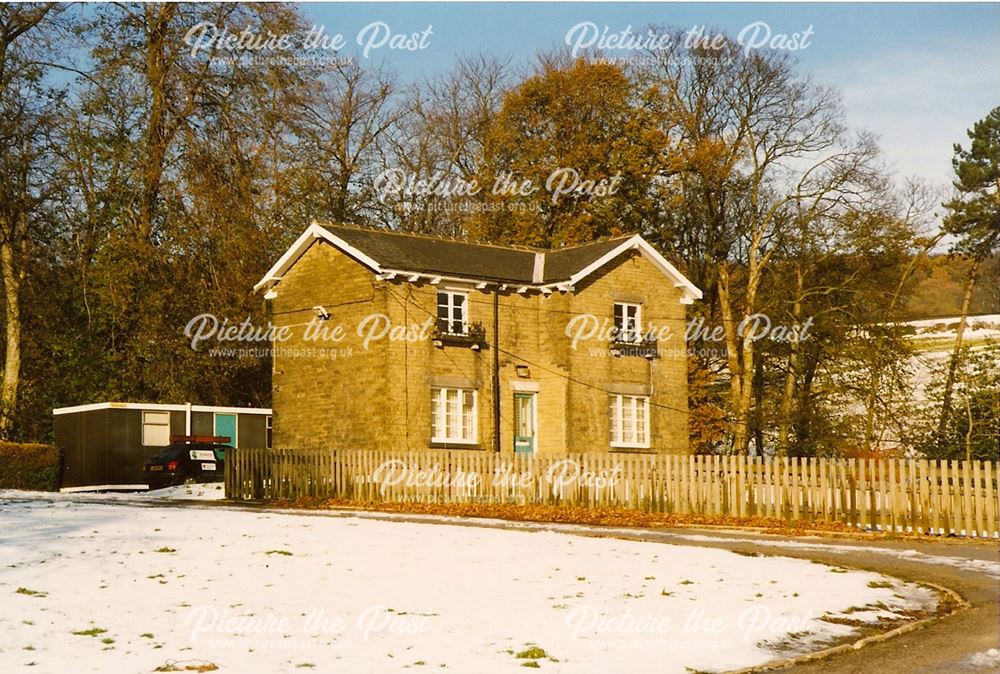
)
(603, 239)
(434, 237)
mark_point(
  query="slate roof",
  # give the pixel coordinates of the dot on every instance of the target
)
(415, 252)
(561, 263)
(451, 257)
(386, 252)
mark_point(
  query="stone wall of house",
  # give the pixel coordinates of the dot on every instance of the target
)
(328, 392)
(631, 278)
(380, 396)
(417, 367)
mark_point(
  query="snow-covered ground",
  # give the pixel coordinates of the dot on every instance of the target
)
(935, 338)
(933, 341)
(119, 587)
(985, 659)
(976, 327)
(207, 491)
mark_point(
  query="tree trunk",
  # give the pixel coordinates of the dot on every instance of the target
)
(785, 410)
(968, 431)
(157, 136)
(740, 355)
(738, 411)
(949, 384)
(758, 407)
(12, 357)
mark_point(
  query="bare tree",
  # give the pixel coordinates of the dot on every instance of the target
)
(442, 137)
(340, 129)
(760, 149)
(25, 122)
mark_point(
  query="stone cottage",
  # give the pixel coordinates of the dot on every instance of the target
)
(395, 341)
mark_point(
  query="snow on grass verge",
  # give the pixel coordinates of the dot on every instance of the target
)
(207, 491)
(114, 587)
(201, 491)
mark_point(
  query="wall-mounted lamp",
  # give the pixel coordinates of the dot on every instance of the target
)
(522, 371)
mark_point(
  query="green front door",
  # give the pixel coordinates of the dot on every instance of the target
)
(225, 426)
(524, 422)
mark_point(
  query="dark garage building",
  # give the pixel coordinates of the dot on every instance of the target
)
(105, 445)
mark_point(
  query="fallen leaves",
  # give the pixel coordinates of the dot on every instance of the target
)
(616, 517)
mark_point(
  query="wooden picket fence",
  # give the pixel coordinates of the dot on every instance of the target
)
(902, 495)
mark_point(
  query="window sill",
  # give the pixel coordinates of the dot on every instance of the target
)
(440, 444)
(631, 448)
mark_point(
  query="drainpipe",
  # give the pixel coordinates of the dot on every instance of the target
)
(496, 369)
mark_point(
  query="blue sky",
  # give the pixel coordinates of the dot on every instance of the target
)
(918, 75)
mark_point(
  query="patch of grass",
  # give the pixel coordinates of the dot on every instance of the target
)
(107, 640)
(687, 582)
(879, 584)
(532, 653)
(531, 663)
(286, 553)
(92, 632)
(305, 665)
(165, 549)
(146, 635)
(29, 647)
(30, 593)
(850, 622)
(836, 570)
(664, 593)
(187, 666)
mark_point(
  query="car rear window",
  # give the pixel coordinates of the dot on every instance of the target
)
(169, 453)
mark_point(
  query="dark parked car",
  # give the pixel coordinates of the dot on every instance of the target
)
(185, 462)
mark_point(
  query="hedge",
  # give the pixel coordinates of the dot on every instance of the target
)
(29, 466)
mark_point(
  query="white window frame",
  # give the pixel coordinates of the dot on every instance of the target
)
(439, 421)
(268, 431)
(635, 334)
(149, 425)
(450, 296)
(636, 408)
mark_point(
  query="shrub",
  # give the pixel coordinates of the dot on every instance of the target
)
(29, 466)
